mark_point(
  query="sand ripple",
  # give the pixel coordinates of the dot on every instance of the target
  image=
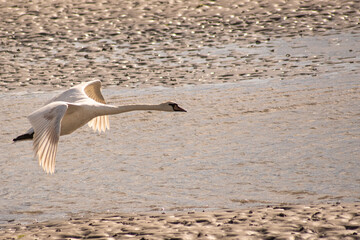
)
(139, 43)
(337, 221)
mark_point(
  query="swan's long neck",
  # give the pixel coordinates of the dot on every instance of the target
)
(111, 110)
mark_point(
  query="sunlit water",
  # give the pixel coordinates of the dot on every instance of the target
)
(247, 143)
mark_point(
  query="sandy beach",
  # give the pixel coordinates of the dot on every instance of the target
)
(335, 221)
(167, 43)
(267, 150)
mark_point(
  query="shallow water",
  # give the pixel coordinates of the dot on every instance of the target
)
(248, 143)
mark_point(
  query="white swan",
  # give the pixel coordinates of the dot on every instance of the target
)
(71, 110)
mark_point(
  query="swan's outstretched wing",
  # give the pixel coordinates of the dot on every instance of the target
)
(93, 91)
(46, 122)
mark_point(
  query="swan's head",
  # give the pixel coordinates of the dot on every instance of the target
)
(171, 107)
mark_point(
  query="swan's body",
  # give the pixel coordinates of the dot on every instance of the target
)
(71, 110)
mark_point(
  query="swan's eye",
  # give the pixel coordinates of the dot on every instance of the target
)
(176, 107)
(173, 105)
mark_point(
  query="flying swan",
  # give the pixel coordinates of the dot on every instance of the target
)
(71, 110)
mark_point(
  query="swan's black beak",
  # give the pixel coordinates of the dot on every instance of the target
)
(178, 109)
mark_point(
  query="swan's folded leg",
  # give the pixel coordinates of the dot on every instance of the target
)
(29, 135)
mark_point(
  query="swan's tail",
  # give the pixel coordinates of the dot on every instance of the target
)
(26, 136)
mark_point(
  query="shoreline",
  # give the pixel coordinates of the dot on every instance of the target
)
(331, 221)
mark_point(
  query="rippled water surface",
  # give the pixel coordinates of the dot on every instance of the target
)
(249, 143)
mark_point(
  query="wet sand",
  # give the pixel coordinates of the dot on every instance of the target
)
(335, 221)
(147, 43)
(139, 44)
